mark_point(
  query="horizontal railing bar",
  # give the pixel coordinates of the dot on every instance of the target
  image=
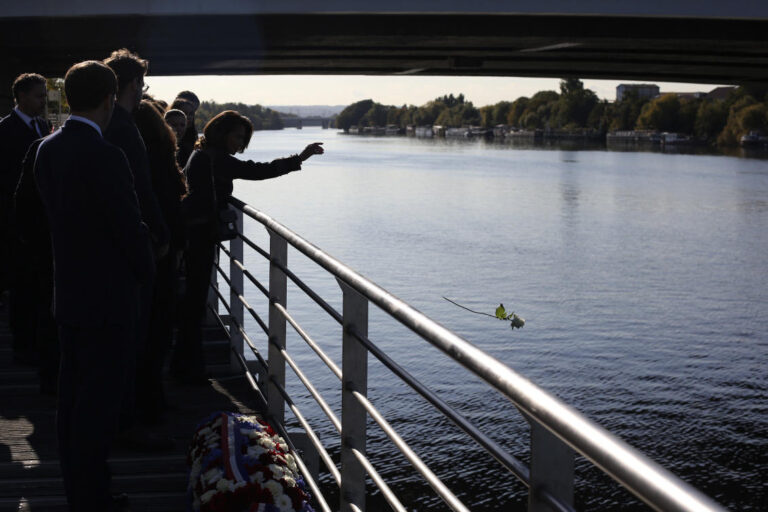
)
(223, 301)
(253, 246)
(447, 496)
(311, 293)
(507, 460)
(245, 272)
(646, 479)
(245, 303)
(244, 364)
(314, 346)
(310, 432)
(312, 390)
(263, 365)
(380, 483)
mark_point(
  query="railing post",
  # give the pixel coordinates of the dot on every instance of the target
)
(354, 367)
(278, 253)
(551, 469)
(236, 307)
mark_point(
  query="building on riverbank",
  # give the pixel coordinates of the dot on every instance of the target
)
(643, 91)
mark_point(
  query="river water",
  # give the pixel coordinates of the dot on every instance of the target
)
(643, 279)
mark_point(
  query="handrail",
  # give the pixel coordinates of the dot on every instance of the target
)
(646, 479)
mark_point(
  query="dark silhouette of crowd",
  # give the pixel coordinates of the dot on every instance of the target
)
(98, 221)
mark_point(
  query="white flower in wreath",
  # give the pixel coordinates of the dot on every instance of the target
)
(277, 471)
(289, 481)
(255, 451)
(291, 462)
(275, 488)
(267, 443)
(206, 497)
(225, 485)
(284, 503)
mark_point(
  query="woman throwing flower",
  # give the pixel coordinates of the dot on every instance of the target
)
(210, 172)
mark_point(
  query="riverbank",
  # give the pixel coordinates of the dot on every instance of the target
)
(628, 141)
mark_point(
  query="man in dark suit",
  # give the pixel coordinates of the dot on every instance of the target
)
(102, 254)
(17, 132)
(123, 133)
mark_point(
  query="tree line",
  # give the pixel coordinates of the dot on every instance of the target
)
(576, 108)
(262, 118)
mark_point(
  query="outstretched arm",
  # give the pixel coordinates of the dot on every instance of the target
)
(250, 170)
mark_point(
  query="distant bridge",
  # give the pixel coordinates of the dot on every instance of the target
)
(300, 122)
(654, 40)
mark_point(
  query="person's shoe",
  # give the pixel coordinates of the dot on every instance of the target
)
(141, 439)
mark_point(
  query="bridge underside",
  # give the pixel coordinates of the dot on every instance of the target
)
(613, 47)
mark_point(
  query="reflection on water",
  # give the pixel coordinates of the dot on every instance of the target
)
(642, 278)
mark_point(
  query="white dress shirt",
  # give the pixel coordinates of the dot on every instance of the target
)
(87, 121)
(28, 120)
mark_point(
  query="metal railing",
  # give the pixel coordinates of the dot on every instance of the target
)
(557, 430)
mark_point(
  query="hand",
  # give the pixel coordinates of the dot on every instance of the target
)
(315, 148)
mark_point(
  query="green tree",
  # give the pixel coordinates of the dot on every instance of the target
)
(538, 110)
(516, 110)
(601, 116)
(738, 118)
(660, 114)
(710, 119)
(626, 112)
(574, 104)
(352, 115)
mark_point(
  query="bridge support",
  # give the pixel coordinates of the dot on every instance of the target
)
(353, 415)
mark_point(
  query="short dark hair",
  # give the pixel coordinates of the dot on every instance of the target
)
(127, 66)
(216, 130)
(189, 96)
(180, 103)
(86, 84)
(25, 82)
(172, 112)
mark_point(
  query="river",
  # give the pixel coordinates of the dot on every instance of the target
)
(643, 279)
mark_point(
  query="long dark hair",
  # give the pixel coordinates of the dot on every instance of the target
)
(216, 130)
(161, 146)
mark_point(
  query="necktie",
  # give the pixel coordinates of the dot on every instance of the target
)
(35, 127)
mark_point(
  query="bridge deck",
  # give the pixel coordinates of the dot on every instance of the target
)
(30, 479)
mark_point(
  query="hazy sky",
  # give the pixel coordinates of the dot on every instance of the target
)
(390, 90)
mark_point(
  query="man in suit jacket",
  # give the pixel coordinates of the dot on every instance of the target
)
(17, 132)
(122, 132)
(102, 254)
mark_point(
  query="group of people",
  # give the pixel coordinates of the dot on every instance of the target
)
(97, 219)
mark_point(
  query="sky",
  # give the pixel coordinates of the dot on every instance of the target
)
(389, 90)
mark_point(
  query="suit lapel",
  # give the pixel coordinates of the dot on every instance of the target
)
(21, 122)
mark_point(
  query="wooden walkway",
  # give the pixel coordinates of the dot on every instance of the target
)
(30, 479)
